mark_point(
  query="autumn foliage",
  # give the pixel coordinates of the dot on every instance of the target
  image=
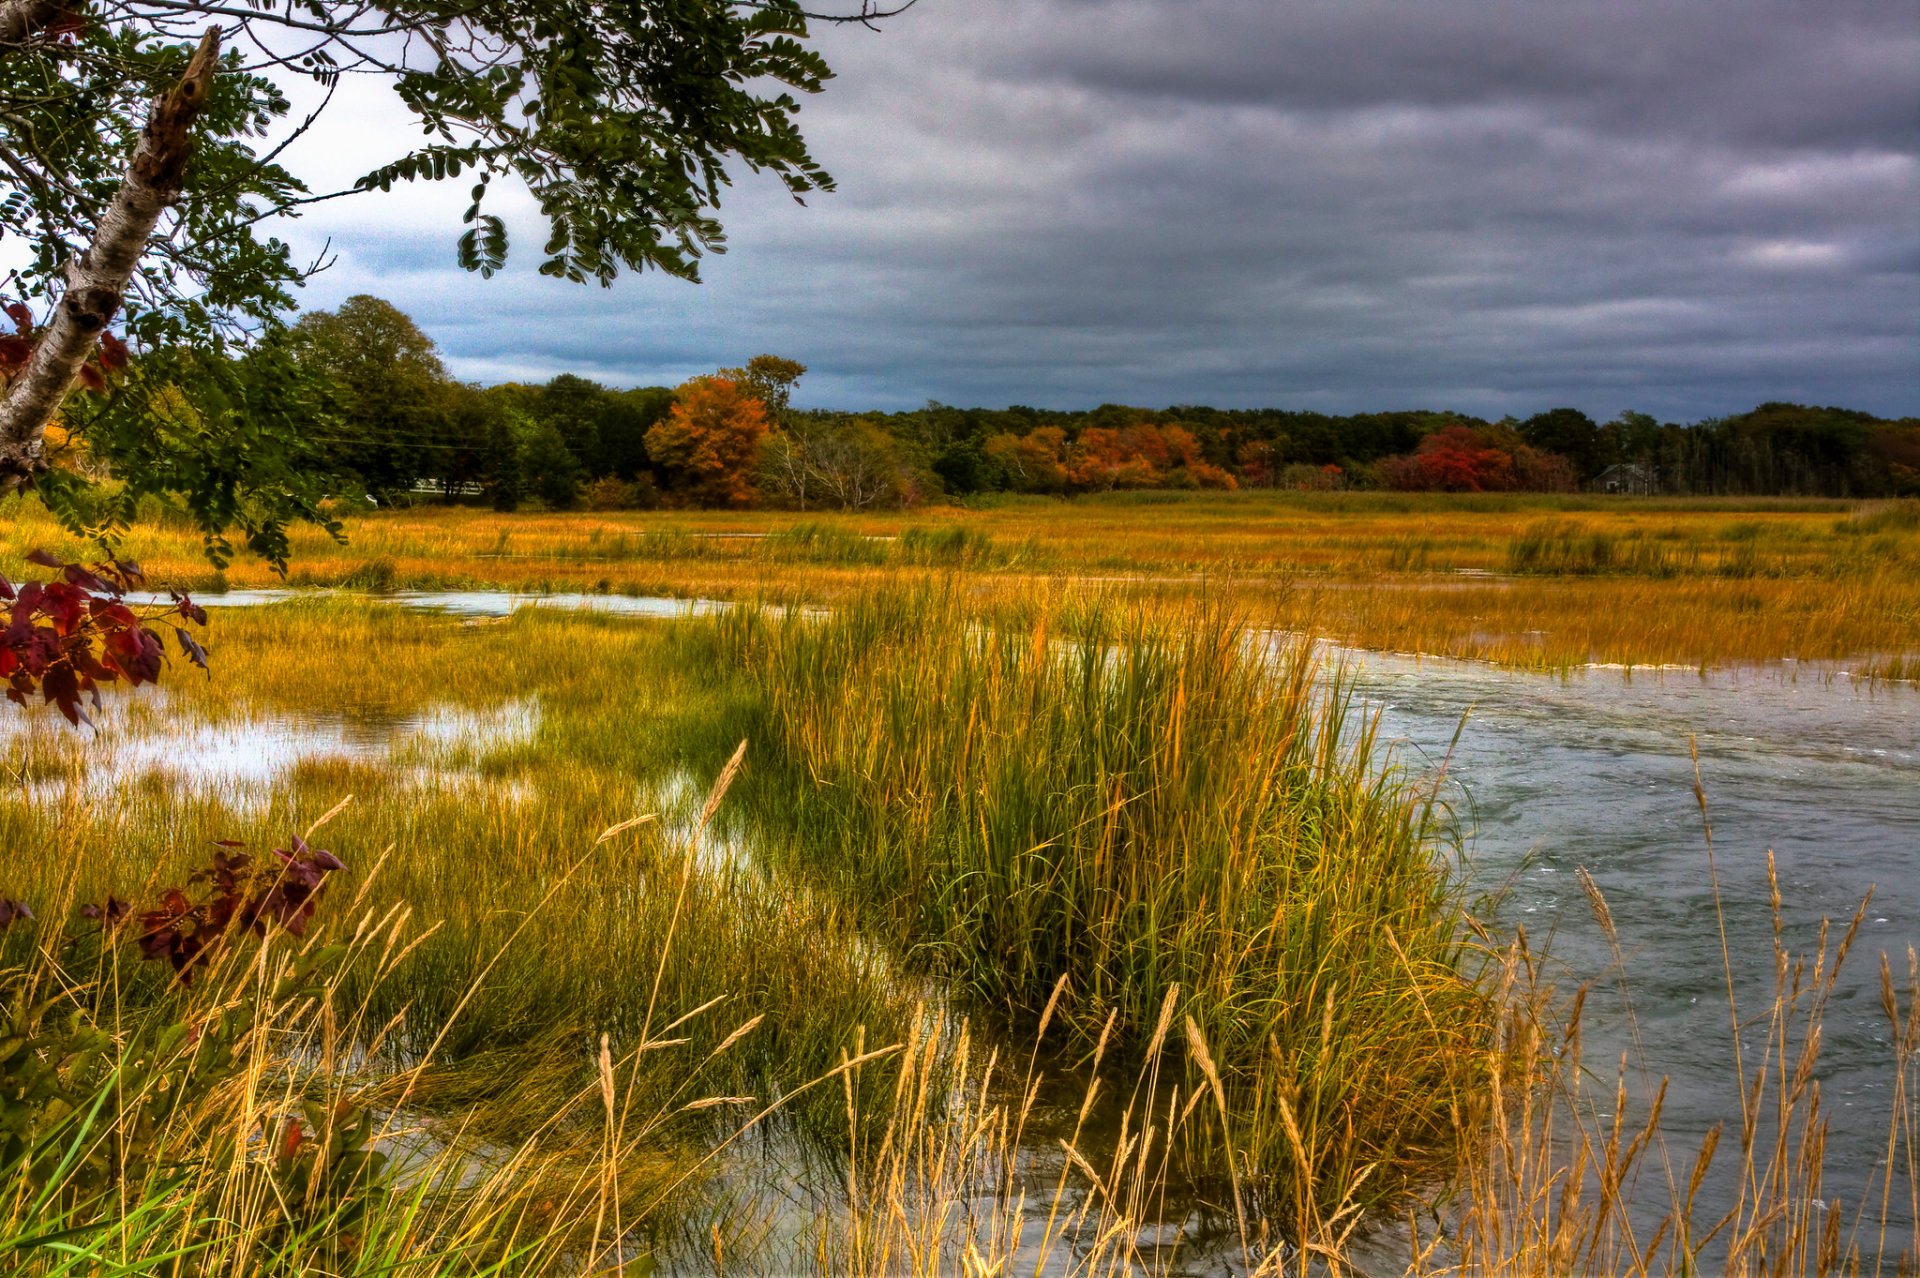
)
(16, 349)
(1102, 458)
(234, 894)
(709, 442)
(67, 636)
(1463, 459)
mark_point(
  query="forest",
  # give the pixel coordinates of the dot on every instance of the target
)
(384, 418)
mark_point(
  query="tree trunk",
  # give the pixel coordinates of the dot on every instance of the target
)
(97, 279)
(22, 20)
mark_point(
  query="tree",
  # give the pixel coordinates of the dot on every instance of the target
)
(575, 408)
(771, 379)
(394, 398)
(1572, 434)
(708, 444)
(1031, 462)
(498, 428)
(629, 415)
(140, 155)
(852, 463)
(1454, 460)
(785, 468)
(548, 467)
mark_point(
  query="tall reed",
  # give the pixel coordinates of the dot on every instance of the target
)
(1137, 805)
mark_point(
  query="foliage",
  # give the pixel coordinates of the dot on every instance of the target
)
(1568, 433)
(75, 102)
(240, 896)
(393, 420)
(709, 442)
(69, 635)
(771, 379)
(833, 460)
(859, 461)
(548, 467)
(240, 440)
(622, 124)
(1455, 460)
(99, 1097)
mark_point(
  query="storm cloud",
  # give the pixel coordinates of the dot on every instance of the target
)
(1679, 206)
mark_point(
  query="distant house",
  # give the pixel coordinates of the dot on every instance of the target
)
(1625, 477)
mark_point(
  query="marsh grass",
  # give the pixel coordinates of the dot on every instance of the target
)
(1135, 805)
(1062, 915)
(1590, 579)
(483, 760)
(258, 1170)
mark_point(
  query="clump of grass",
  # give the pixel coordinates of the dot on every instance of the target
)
(1137, 806)
(376, 576)
(251, 1121)
(1881, 517)
(1556, 549)
(822, 542)
(953, 546)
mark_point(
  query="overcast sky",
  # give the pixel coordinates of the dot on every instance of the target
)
(1679, 206)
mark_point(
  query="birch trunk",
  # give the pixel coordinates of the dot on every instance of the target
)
(97, 280)
(22, 20)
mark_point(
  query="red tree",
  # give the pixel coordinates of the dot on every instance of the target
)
(710, 440)
(1455, 459)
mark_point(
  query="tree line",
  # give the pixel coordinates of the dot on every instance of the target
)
(387, 421)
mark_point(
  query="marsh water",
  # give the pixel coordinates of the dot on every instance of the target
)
(1546, 775)
(1595, 770)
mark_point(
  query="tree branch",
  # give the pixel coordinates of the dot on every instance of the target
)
(97, 280)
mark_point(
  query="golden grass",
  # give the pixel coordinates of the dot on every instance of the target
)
(1538, 582)
(528, 936)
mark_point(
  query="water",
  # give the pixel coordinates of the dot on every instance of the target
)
(1594, 771)
(245, 761)
(467, 603)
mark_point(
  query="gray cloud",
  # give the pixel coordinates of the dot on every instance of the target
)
(1495, 205)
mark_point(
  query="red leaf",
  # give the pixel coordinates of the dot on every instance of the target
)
(191, 647)
(79, 576)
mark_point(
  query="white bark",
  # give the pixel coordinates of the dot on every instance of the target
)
(97, 280)
(22, 20)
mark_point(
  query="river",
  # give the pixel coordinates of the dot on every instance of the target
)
(1595, 770)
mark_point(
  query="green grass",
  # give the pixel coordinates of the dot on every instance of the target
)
(1135, 808)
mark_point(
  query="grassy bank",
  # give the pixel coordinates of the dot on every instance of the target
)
(484, 762)
(1533, 581)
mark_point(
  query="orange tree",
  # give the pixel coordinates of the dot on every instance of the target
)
(710, 441)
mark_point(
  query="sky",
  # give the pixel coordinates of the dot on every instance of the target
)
(1682, 207)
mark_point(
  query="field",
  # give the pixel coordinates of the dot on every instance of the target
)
(1053, 898)
(1534, 582)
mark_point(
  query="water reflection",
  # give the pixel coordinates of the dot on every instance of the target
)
(244, 761)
